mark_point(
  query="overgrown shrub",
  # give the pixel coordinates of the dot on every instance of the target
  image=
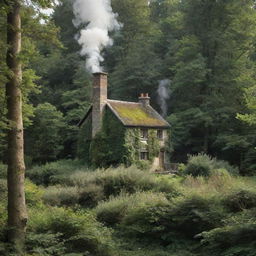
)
(50, 173)
(90, 195)
(221, 164)
(168, 185)
(204, 165)
(61, 196)
(114, 210)
(240, 198)
(115, 180)
(182, 217)
(33, 194)
(199, 165)
(236, 237)
(78, 231)
(46, 244)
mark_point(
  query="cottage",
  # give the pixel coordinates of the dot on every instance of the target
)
(117, 132)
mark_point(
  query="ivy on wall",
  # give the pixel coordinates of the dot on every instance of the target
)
(153, 144)
(107, 147)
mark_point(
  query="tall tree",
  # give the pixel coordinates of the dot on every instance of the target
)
(17, 213)
(19, 85)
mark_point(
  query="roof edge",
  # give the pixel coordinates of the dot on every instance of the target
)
(80, 123)
(115, 113)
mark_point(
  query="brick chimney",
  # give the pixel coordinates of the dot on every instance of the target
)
(99, 100)
(144, 99)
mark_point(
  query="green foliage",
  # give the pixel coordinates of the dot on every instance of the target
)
(116, 144)
(240, 199)
(251, 105)
(87, 196)
(52, 172)
(200, 165)
(45, 244)
(208, 57)
(75, 231)
(45, 134)
(61, 196)
(113, 181)
(33, 194)
(236, 237)
(129, 180)
(183, 217)
(34, 32)
(160, 214)
(77, 185)
(204, 165)
(107, 148)
(153, 144)
(116, 209)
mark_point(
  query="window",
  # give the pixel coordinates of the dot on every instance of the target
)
(144, 133)
(160, 134)
(144, 156)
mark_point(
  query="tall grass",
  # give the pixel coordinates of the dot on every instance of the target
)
(116, 208)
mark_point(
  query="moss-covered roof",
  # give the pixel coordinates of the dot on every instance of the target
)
(136, 115)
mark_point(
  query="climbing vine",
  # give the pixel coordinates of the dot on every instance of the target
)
(153, 144)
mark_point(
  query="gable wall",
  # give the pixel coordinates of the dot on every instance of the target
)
(84, 140)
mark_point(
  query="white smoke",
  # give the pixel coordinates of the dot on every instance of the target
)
(163, 92)
(97, 19)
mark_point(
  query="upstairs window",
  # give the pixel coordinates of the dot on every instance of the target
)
(144, 156)
(144, 133)
(160, 134)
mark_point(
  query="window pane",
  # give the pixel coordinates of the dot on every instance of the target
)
(159, 134)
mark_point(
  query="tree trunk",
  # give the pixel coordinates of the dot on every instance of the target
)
(17, 213)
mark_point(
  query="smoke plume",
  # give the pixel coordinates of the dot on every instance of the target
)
(97, 19)
(163, 92)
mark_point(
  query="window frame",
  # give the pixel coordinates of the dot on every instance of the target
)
(144, 156)
(160, 134)
(144, 133)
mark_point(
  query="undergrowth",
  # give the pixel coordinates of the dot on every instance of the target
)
(129, 212)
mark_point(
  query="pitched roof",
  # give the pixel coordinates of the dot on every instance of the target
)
(133, 114)
(89, 111)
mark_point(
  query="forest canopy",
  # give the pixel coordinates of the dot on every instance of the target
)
(205, 48)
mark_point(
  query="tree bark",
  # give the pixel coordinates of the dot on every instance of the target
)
(17, 213)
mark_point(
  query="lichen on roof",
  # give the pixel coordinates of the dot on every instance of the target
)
(135, 114)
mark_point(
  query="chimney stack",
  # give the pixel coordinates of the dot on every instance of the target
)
(144, 99)
(99, 100)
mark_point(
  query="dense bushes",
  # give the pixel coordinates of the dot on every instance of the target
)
(88, 188)
(163, 215)
(204, 165)
(72, 232)
(114, 210)
(196, 212)
(52, 173)
(160, 220)
(235, 237)
(240, 199)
